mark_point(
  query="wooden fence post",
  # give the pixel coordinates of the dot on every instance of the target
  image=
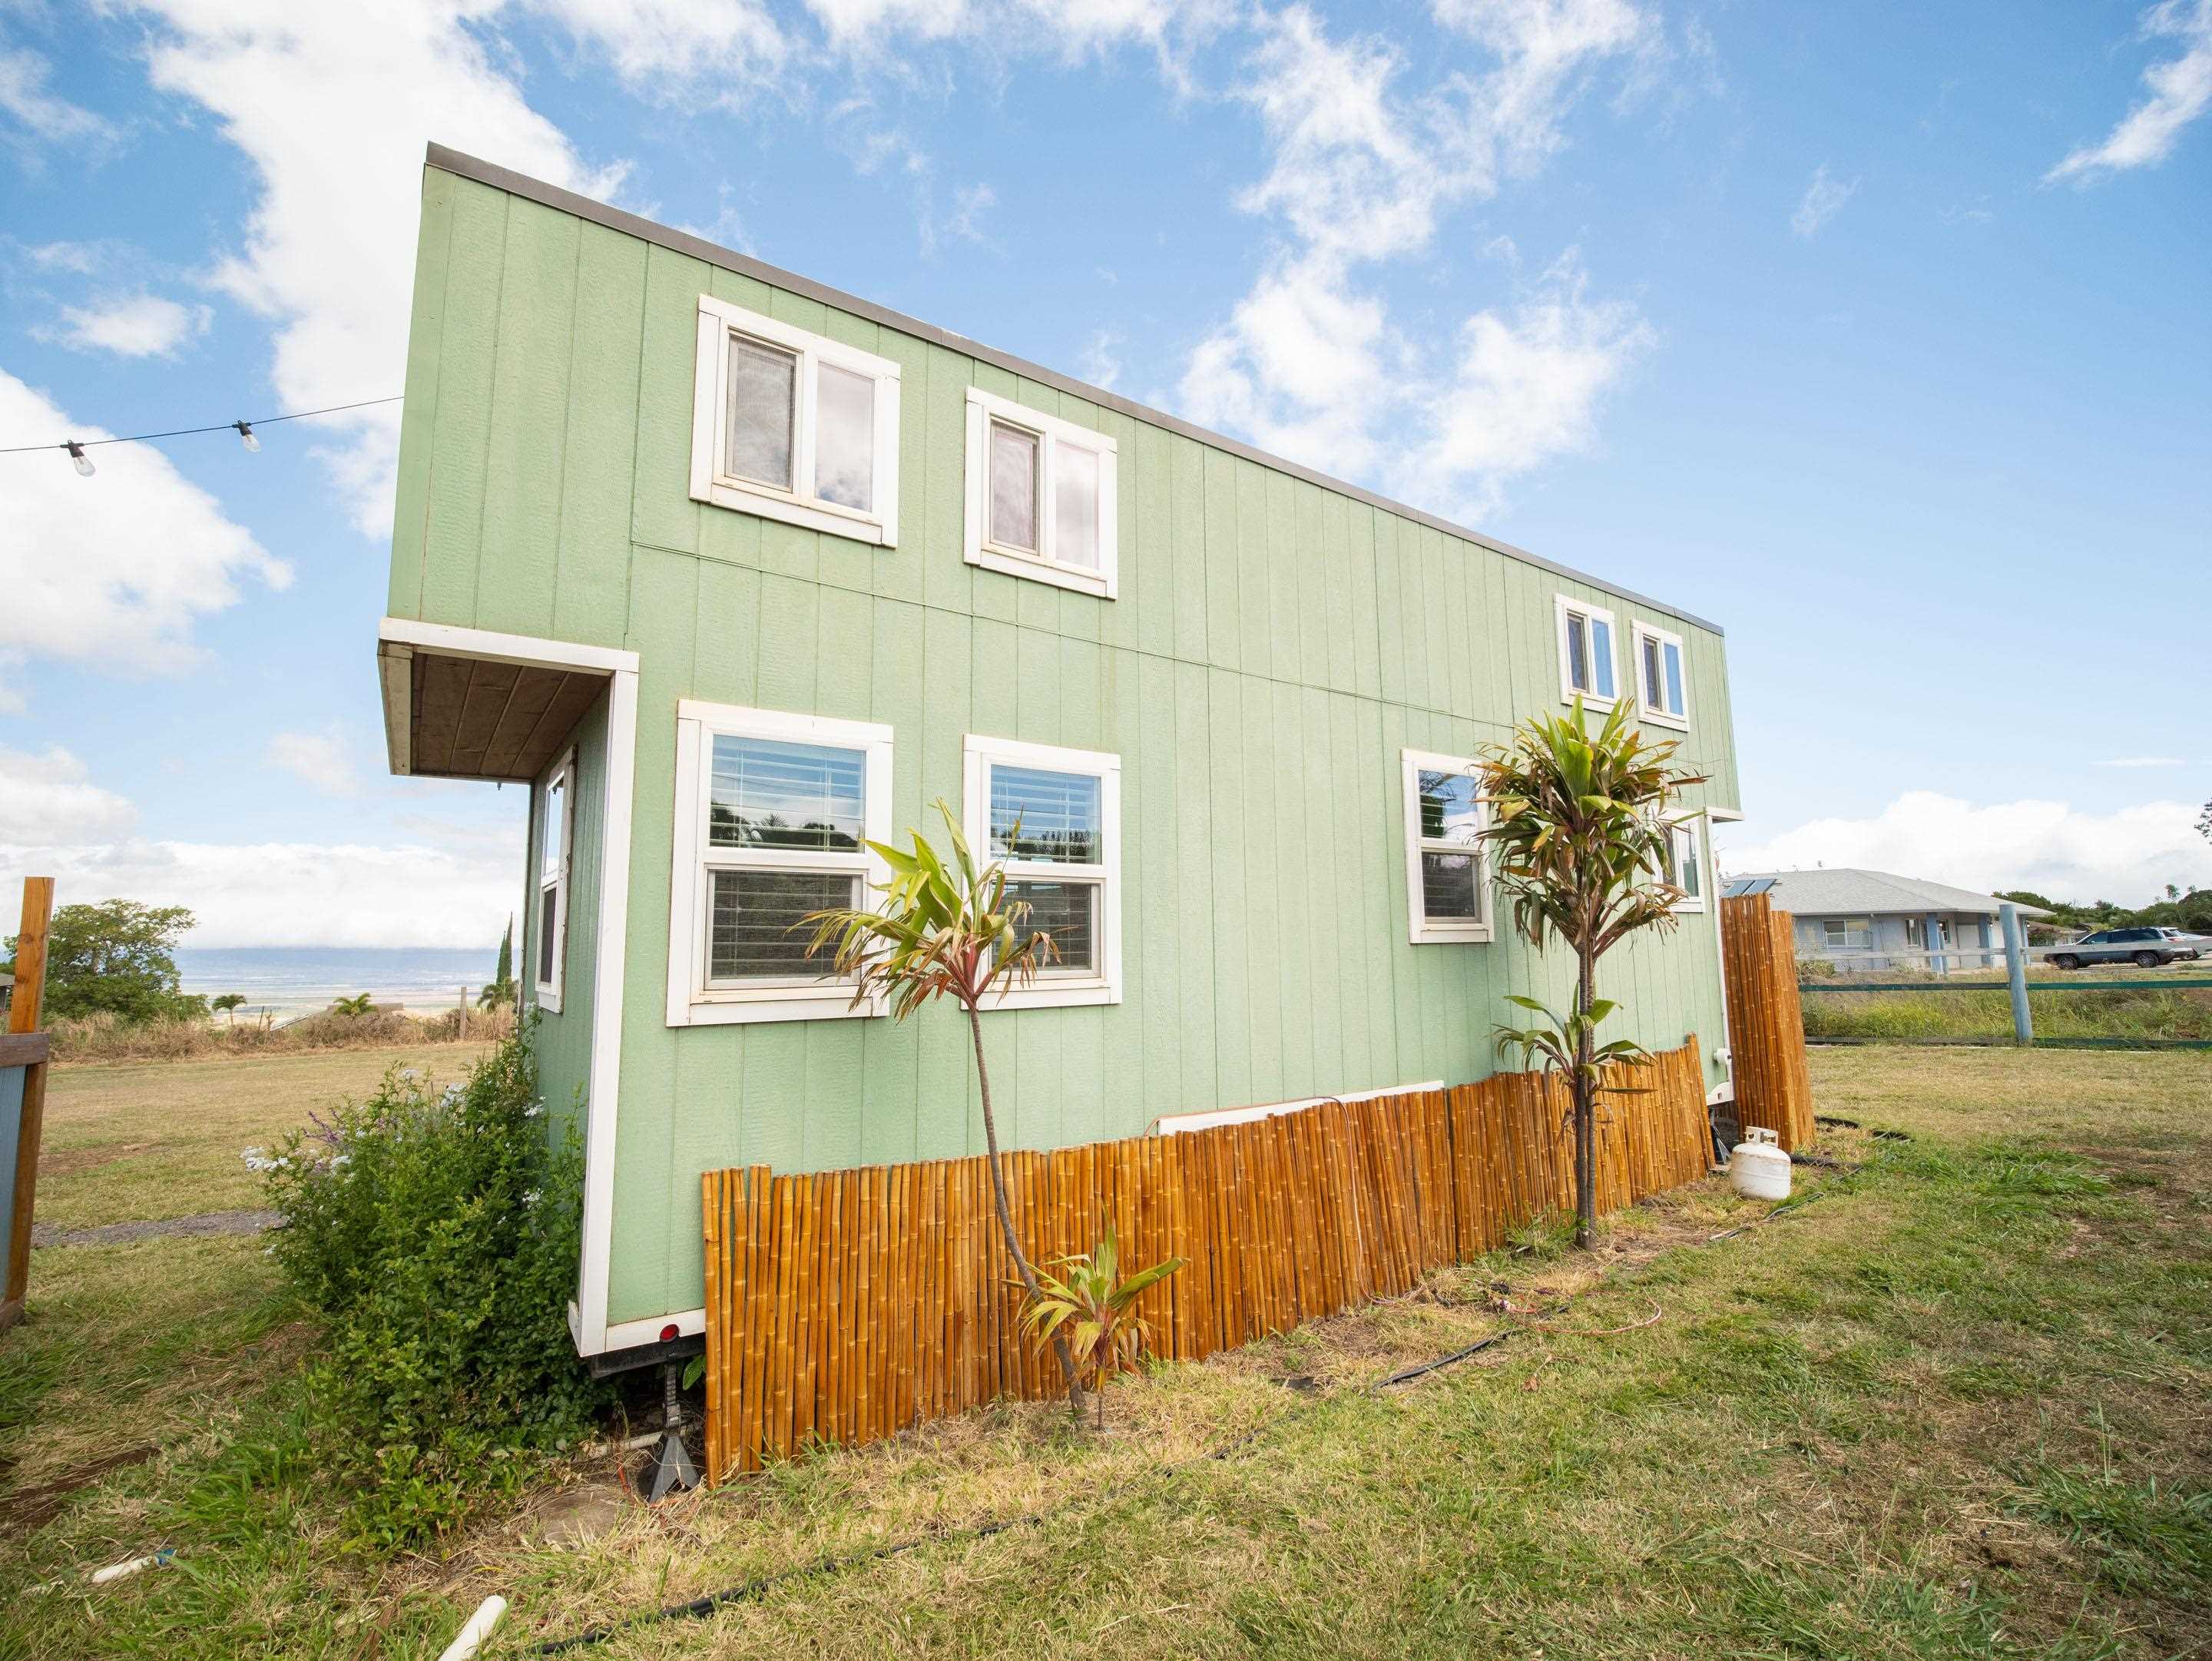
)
(23, 1012)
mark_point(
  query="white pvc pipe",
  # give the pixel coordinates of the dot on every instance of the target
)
(470, 1638)
(123, 1570)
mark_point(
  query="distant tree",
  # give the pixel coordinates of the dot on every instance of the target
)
(227, 1004)
(2205, 822)
(500, 994)
(117, 958)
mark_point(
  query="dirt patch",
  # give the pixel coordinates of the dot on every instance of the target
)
(31, 1508)
(68, 1161)
(208, 1222)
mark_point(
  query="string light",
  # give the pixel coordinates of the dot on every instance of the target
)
(77, 446)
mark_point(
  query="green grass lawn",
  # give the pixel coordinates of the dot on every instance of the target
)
(1959, 1405)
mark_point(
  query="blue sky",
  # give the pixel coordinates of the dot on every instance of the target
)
(1882, 337)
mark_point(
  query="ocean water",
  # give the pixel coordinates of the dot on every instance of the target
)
(296, 980)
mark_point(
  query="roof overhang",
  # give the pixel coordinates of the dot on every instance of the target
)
(471, 703)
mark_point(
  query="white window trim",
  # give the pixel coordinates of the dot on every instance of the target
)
(546, 987)
(691, 1002)
(1639, 631)
(1041, 567)
(1051, 991)
(1688, 824)
(1562, 604)
(1422, 930)
(718, 320)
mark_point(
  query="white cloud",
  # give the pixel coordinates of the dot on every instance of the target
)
(2180, 90)
(109, 571)
(1311, 362)
(1100, 362)
(332, 104)
(1069, 29)
(676, 52)
(2127, 855)
(1823, 200)
(2144, 761)
(130, 325)
(80, 258)
(969, 203)
(1527, 387)
(42, 116)
(51, 798)
(294, 893)
(325, 760)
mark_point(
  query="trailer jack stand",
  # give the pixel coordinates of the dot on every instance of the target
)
(670, 1467)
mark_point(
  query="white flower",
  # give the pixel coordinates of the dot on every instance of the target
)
(531, 1197)
(340, 1161)
(453, 1094)
(535, 1109)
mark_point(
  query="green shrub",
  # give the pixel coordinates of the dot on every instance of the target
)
(435, 1229)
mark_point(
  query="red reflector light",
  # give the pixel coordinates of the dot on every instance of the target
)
(668, 1332)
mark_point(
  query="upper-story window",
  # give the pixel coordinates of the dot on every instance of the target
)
(773, 814)
(794, 426)
(1446, 897)
(1052, 817)
(1661, 686)
(1040, 496)
(1586, 657)
(555, 844)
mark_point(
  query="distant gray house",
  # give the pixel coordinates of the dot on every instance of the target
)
(1862, 921)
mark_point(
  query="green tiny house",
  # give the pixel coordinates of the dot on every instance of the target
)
(734, 571)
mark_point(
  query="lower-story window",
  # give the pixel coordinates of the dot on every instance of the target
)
(773, 814)
(1052, 816)
(555, 841)
(1685, 864)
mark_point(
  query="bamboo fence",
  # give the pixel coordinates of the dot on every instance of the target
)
(845, 1305)
(1766, 1022)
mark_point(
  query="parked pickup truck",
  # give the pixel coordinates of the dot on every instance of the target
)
(2147, 948)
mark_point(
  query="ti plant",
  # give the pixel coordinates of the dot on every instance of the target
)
(1089, 1306)
(1579, 831)
(947, 930)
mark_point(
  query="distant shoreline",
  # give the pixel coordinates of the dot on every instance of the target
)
(288, 980)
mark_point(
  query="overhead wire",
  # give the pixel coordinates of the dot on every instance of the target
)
(244, 428)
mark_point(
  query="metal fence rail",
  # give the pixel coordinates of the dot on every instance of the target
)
(2020, 989)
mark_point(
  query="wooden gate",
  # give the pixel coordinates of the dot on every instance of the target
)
(1766, 1024)
(844, 1305)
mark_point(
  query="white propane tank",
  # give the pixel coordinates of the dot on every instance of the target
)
(1759, 1167)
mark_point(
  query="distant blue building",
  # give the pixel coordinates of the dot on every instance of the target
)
(1869, 921)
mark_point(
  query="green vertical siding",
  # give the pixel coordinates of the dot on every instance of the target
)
(1274, 646)
(564, 1038)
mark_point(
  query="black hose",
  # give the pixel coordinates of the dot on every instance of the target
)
(700, 1608)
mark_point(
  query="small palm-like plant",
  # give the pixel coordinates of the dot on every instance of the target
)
(360, 1004)
(228, 1004)
(1089, 1306)
(1578, 830)
(947, 929)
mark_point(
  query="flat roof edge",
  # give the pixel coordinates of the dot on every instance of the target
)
(465, 166)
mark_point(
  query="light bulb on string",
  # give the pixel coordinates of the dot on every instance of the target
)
(246, 435)
(78, 459)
